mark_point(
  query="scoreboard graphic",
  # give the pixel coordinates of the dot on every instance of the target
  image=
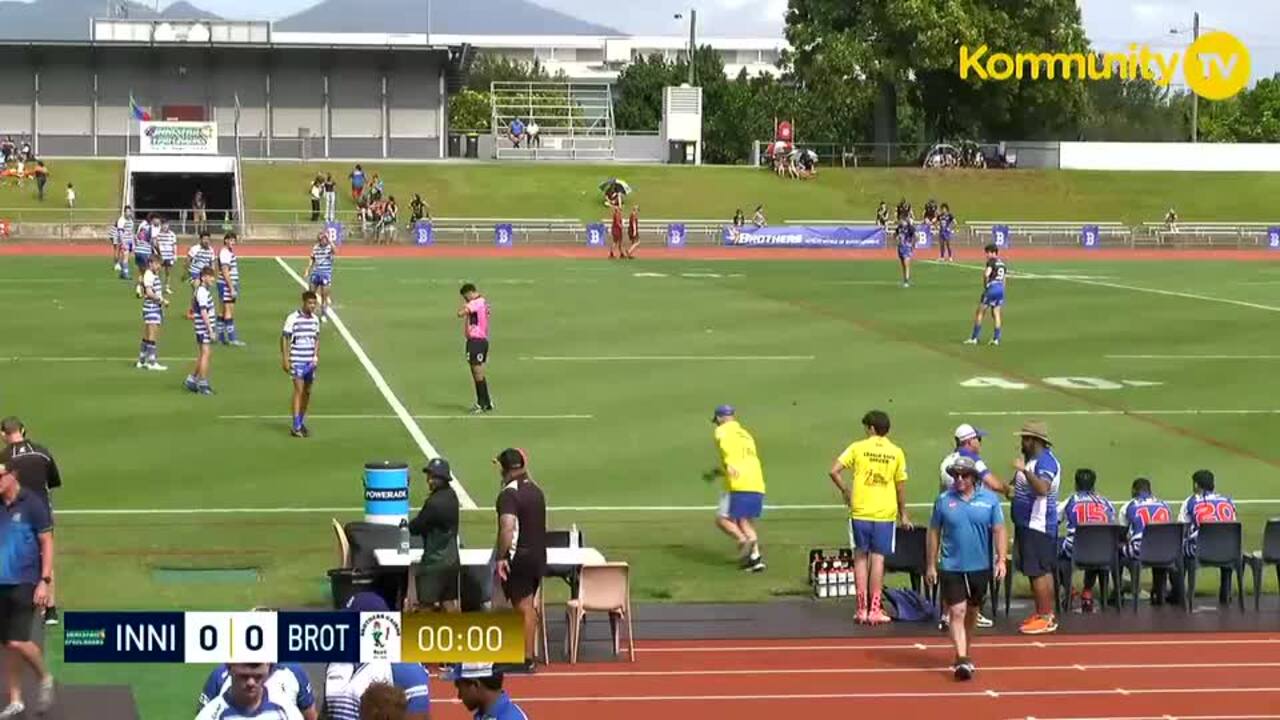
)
(304, 637)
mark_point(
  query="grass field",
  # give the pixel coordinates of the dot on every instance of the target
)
(803, 348)
(277, 192)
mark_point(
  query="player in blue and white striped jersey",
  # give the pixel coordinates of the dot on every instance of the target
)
(249, 697)
(142, 242)
(166, 243)
(285, 682)
(201, 314)
(122, 242)
(228, 290)
(153, 305)
(320, 271)
(1206, 506)
(200, 256)
(299, 355)
(1145, 508)
(345, 683)
(1084, 507)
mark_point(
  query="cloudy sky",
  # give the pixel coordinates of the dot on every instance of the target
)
(1110, 23)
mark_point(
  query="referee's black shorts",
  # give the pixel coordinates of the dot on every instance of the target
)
(17, 609)
(958, 587)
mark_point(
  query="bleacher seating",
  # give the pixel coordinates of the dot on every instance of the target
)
(574, 120)
(1049, 233)
(1202, 234)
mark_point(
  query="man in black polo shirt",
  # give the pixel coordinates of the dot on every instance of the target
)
(522, 543)
(437, 524)
(26, 582)
(37, 472)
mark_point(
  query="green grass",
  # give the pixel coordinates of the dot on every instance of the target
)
(133, 440)
(98, 187)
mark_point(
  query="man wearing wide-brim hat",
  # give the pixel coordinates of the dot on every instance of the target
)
(1035, 520)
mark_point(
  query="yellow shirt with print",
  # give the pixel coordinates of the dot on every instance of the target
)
(738, 458)
(878, 468)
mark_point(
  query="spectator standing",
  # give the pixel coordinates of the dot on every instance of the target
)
(285, 683)
(532, 133)
(248, 696)
(200, 211)
(615, 233)
(42, 179)
(377, 188)
(383, 702)
(967, 521)
(418, 210)
(26, 581)
(71, 192)
(739, 219)
(759, 220)
(315, 192)
(882, 215)
(437, 525)
(876, 497)
(479, 688)
(1143, 509)
(1037, 475)
(1085, 507)
(357, 183)
(330, 198)
(345, 684)
(1205, 505)
(521, 549)
(633, 232)
(387, 223)
(37, 473)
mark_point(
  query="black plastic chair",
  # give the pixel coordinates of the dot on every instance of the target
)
(1270, 555)
(568, 573)
(1220, 545)
(910, 554)
(1161, 550)
(1095, 547)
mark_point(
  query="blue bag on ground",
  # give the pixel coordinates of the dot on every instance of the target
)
(908, 606)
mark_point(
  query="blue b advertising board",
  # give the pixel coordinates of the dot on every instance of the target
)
(1273, 238)
(595, 235)
(676, 235)
(1000, 236)
(924, 235)
(806, 236)
(1089, 237)
(336, 232)
(503, 235)
(423, 233)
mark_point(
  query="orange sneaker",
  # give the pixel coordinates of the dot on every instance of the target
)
(1039, 625)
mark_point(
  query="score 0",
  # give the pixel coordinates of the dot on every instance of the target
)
(226, 637)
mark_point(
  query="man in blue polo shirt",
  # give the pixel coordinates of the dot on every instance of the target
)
(966, 520)
(480, 690)
(26, 583)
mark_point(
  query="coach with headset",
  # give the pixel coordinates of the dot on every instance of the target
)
(37, 473)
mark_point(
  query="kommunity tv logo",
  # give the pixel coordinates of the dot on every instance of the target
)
(1216, 66)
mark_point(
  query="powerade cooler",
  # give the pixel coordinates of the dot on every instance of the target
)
(386, 492)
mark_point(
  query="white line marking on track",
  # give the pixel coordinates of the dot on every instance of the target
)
(1092, 413)
(380, 382)
(667, 358)
(980, 694)
(1158, 717)
(415, 417)
(1128, 642)
(993, 693)
(1192, 357)
(900, 670)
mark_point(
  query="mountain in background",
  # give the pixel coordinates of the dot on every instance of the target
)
(69, 19)
(470, 17)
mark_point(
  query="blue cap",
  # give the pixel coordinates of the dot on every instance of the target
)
(367, 602)
(725, 411)
(470, 671)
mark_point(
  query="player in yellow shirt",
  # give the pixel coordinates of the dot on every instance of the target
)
(742, 501)
(876, 498)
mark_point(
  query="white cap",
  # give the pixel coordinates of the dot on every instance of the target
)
(469, 671)
(968, 432)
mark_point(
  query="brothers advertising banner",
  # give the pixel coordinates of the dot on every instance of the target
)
(806, 236)
(178, 138)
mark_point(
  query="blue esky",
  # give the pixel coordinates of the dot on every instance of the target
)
(1112, 24)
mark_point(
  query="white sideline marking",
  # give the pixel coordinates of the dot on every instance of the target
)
(900, 670)
(992, 644)
(666, 358)
(1158, 717)
(1088, 413)
(1193, 357)
(415, 417)
(67, 359)
(567, 508)
(981, 694)
(380, 382)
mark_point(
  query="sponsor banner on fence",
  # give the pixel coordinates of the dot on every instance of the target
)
(178, 138)
(924, 235)
(1000, 236)
(1089, 237)
(595, 235)
(1273, 238)
(503, 235)
(806, 236)
(336, 232)
(676, 235)
(423, 233)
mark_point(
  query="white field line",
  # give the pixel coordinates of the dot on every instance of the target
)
(980, 694)
(380, 382)
(1133, 288)
(904, 670)
(1154, 717)
(1092, 413)
(920, 646)
(415, 417)
(72, 359)
(668, 358)
(563, 508)
(1193, 357)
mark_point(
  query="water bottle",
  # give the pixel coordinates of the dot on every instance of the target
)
(404, 537)
(574, 540)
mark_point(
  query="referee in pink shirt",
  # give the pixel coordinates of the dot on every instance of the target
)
(475, 326)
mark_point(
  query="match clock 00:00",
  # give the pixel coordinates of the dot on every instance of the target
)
(487, 637)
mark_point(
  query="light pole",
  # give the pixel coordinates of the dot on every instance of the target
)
(1195, 99)
(693, 41)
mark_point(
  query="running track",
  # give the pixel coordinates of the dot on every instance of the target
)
(1120, 677)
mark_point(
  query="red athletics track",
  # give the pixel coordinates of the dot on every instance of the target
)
(697, 253)
(1129, 677)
